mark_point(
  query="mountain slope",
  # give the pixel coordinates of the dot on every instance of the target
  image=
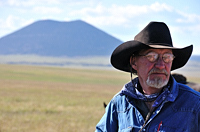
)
(54, 38)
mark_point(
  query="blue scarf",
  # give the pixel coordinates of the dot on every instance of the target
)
(131, 90)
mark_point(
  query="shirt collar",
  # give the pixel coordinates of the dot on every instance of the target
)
(169, 93)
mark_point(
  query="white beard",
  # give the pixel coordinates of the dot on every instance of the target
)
(157, 82)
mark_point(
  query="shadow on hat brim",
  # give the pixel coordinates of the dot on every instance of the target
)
(120, 58)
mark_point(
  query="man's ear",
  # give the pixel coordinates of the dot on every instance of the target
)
(132, 62)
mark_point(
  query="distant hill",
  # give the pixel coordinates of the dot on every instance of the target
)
(195, 58)
(54, 38)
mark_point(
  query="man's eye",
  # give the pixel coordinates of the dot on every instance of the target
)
(165, 57)
(151, 57)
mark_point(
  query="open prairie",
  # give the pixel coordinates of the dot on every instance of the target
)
(51, 99)
(56, 99)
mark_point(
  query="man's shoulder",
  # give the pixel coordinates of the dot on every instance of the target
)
(184, 89)
(118, 97)
(120, 102)
(187, 99)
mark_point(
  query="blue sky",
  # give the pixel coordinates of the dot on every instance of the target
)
(121, 19)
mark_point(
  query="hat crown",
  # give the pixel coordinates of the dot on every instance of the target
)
(155, 33)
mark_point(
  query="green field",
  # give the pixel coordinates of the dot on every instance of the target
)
(55, 99)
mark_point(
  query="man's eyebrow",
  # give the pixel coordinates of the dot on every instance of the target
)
(151, 50)
(147, 51)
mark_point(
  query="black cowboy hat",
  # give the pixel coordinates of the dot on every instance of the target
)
(154, 35)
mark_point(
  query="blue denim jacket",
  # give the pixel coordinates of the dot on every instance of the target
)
(179, 112)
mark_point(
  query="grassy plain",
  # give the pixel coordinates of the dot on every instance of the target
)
(55, 99)
(52, 99)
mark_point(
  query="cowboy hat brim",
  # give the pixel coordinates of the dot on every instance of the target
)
(120, 58)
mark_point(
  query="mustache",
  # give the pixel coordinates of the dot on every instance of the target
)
(158, 71)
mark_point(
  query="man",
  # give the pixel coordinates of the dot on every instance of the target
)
(153, 101)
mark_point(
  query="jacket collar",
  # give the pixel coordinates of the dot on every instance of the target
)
(169, 93)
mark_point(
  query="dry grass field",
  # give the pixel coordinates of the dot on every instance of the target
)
(55, 99)
(50, 99)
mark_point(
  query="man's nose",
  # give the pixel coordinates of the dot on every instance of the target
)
(160, 64)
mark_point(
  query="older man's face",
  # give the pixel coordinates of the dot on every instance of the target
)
(154, 72)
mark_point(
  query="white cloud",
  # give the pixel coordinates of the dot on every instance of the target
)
(128, 11)
(20, 3)
(12, 23)
(160, 7)
(26, 3)
(188, 24)
(46, 10)
(117, 14)
(188, 18)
